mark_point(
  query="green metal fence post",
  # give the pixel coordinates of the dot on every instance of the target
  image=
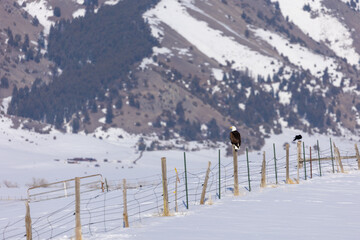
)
(186, 185)
(275, 165)
(304, 159)
(248, 168)
(332, 157)
(219, 177)
(319, 156)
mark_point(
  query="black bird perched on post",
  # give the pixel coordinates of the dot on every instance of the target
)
(297, 137)
(235, 138)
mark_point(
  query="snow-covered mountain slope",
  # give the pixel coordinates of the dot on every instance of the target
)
(261, 65)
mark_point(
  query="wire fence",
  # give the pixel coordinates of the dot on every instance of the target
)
(102, 211)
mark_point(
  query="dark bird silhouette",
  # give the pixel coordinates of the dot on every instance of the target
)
(297, 137)
(235, 138)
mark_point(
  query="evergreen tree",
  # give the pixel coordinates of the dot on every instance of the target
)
(4, 83)
(75, 125)
(57, 12)
(35, 21)
(26, 43)
(180, 112)
(118, 103)
(213, 130)
(109, 113)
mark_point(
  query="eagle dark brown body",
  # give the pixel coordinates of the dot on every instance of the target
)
(235, 138)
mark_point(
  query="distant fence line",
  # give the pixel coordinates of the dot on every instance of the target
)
(102, 206)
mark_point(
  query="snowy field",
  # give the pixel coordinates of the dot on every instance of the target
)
(27, 156)
(322, 208)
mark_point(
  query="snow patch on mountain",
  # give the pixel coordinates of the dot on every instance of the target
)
(111, 2)
(301, 56)
(355, 4)
(322, 26)
(79, 13)
(41, 10)
(218, 74)
(211, 42)
(156, 51)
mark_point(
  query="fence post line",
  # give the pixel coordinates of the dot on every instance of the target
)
(263, 172)
(298, 160)
(318, 148)
(236, 177)
(248, 168)
(125, 213)
(357, 155)
(202, 199)
(186, 185)
(332, 157)
(275, 165)
(287, 164)
(219, 176)
(304, 159)
(28, 222)
(165, 188)
(78, 234)
(310, 164)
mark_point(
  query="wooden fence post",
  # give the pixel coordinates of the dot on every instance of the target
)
(357, 155)
(176, 186)
(78, 234)
(298, 160)
(202, 199)
(125, 214)
(248, 168)
(337, 152)
(236, 179)
(287, 164)
(318, 149)
(28, 222)
(165, 189)
(263, 172)
(332, 157)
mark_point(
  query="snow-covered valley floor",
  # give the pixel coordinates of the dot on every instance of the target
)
(321, 208)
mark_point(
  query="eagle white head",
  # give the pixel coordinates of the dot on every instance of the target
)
(233, 128)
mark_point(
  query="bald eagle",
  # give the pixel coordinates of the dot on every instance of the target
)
(235, 138)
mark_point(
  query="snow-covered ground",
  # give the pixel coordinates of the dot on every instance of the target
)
(321, 208)
(27, 155)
